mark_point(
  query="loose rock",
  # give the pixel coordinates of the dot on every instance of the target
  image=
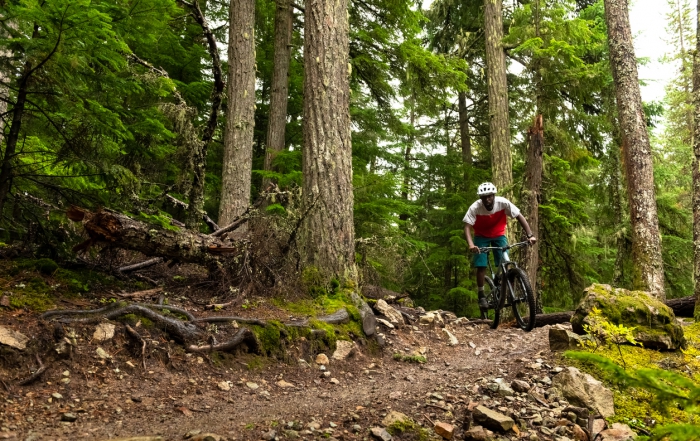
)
(444, 430)
(381, 434)
(583, 390)
(389, 312)
(452, 340)
(103, 332)
(12, 338)
(322, 359)
(344, 349)
(492, 419)
(394, 417)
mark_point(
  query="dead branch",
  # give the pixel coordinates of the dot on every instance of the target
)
(140, 339)
(237, 222)
(218, 305)
(36, 373)
(244, 335)
(144, 293)
(213, 226)
(141, 265)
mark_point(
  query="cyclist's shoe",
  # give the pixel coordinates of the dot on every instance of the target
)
(483, 303)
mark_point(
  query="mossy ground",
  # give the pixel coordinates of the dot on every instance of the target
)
(36, 284)
(409, 430)
(634, 406)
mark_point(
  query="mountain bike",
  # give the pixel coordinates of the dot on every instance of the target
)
(513, 290)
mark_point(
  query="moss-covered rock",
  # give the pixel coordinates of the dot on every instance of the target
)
(655, 325)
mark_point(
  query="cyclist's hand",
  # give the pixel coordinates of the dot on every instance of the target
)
(532, 240)
(474, 249)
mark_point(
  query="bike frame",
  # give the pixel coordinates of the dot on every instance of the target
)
(503, 268)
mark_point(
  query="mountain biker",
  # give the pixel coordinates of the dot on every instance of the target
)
(487, 218)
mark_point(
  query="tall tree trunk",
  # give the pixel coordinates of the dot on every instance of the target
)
(530, 199)
(407, 160)
(696, 168)
(466, 141)
(617, 205)
(280, 84)
(499, 127)
(238, 138)
(195, 209)
(646, 241)
(327, 231)
(7, 166)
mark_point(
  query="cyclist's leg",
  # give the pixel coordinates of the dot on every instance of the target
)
(481, 262)
(500, 241)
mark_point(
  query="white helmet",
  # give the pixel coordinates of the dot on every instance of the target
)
(486, 189)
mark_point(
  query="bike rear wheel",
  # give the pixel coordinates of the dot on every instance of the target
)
(523, 299)
(491, 294)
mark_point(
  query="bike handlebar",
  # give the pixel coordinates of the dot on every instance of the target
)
(506, 248)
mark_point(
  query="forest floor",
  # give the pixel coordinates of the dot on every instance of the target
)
(108, 389)
(116, 397)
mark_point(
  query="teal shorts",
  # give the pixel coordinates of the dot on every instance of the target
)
(480, 259)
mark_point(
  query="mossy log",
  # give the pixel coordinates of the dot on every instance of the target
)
(119, 230)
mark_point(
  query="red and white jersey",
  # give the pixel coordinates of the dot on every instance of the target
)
(490, 223)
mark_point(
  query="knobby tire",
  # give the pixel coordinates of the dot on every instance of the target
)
(493, 313)
(523, 299)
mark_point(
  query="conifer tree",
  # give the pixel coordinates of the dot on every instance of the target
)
(238, 139)
(646, 243)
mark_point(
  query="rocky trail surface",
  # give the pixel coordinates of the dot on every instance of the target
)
(491, 384)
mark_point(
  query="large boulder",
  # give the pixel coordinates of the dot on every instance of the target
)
(655, 324)
(581, 389)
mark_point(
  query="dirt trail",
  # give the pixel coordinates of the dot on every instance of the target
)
(112, 399)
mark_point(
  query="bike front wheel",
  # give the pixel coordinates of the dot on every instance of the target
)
(523, 299)
(491, 294)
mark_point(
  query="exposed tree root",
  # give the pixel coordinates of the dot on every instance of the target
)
(244, 335)
(225, 319)
(140, 339)
(183, 331)
(35, 376)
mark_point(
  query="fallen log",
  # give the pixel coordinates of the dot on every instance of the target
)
(682, 307)
(115, 229)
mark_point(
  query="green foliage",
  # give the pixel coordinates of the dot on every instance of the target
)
(603, 331)
(668, 390)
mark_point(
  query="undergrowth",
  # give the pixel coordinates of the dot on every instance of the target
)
(652, 389)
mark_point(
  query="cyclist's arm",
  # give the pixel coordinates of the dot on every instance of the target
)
(468, 235)
(526, 226)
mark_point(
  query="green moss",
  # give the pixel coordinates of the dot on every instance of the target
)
(633, 406)
(410, 358)
(31, 299)
(408, 430)
(133, 319)
(269, 337)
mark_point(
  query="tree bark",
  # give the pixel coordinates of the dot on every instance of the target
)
(327, 231)
(238, 138)
(696, 168)
(646, 240)
(466, 141)
(7, 166)
(280, 84)
(195, 210)
(530, 200)
(499, 127)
